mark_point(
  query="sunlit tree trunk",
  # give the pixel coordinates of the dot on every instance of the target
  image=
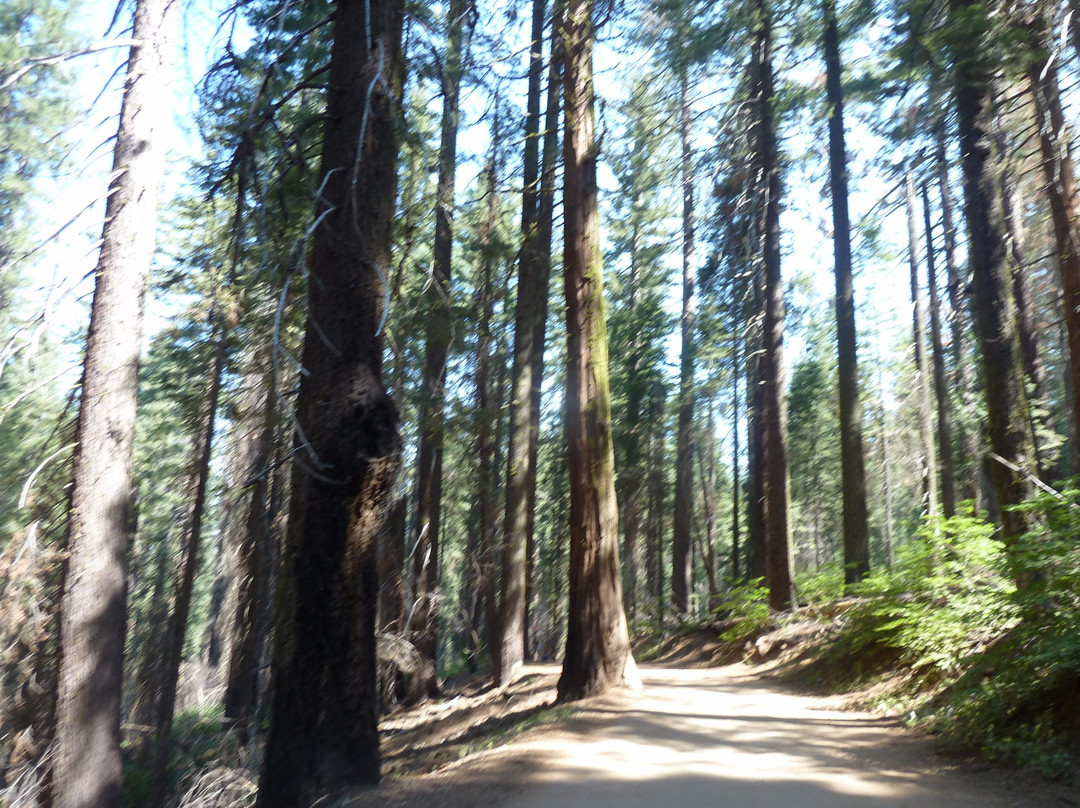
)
(597, 644)
(86, 766)
(928, 459)
(683, 513)
(323, 734)
(853, 472)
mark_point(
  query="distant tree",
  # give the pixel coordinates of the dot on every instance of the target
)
(323, 733)
(598, 652)
(86, 765)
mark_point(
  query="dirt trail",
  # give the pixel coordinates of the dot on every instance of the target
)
(719, 737)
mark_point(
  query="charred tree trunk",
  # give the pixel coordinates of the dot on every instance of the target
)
(86, 767)
(993, 309)
(773, 415)
(928, 460)
(597, 643)
(683, 513)
(323, 733)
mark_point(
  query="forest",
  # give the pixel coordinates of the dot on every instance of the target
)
(348, 349)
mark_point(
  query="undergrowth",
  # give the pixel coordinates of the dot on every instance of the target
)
(987, 637)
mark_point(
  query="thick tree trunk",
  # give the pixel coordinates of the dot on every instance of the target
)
(189, 566)
(323, 733)
(597, 642)
(86, 768)
(683, 513)
(852, 463)
(530, 325)
(429, 453)
(736, 478)
(992, 306)
(928, 459)
(775, 488)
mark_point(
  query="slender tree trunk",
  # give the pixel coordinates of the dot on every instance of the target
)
(86, 768)
(242, 689)
(853, 471)
(654, 562)
(736, 479)
(189, 566)
(928, 460)
(683, 513)
(597, 643)
(775, 493)
(886, 479)
(993, 309)
(941, 384)
(530, 323)
(429, 453)
(1059, 171)
(323, 733)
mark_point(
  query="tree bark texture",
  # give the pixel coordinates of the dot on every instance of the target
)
(993, 310)
(597, 644)
(928, 459)
(683, 507)
(86, 768)
(429, 453)
(323, 733)
(852, 462)
(775, 488)
(530, 322)
(941, 384)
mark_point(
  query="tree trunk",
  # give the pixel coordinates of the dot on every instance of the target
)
(928, 460)
(530, 322)
(775, 488)
(323, 733)
(654, 562)
(86, 769)
(853, 472)
(683, 513)
(429, 453)
(941, 384)
(189, 566)
(597, 643)
(992, 306)
(1061, 190)
(736, 479)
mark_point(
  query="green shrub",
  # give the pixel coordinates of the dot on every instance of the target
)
(820, 586)
(747, 606)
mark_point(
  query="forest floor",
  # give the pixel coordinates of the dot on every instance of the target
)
(697, 735)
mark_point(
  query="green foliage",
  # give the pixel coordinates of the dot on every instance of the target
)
(820, 586)
(747, 606)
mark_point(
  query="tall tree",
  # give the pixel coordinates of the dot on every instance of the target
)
(530, 320)
(86, 766)
(323, 733)
(856, 540)
(429, 452)
(773, 404)
(598, 652)
(992, 305)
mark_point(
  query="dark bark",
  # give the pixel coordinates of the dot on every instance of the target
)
(928, 456)
(654, 542)
(86, 767)
(993, 309)
(853, 471)
(189, 566)
(530, 323)
(773, 415)
(429, 453)
(736, 479)
(597, 642)
(323, 733)
(941, 384)
(683, 506)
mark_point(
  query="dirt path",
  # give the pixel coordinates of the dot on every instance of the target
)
(718, 737)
